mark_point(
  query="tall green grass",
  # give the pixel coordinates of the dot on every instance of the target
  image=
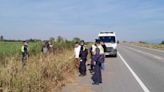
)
(9, 49)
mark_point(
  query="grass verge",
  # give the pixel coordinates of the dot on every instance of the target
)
(43, 73)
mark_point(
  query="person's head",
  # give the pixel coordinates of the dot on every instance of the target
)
(76, 44)
(97, 42)
(46, 42)
(25, 43)
(101, 42)
(82, 42)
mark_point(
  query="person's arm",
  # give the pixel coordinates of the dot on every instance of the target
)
(74, 52)
(27, 51)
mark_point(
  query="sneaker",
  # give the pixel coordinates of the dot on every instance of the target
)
(95, 83)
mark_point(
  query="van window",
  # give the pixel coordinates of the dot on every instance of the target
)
(109, 39)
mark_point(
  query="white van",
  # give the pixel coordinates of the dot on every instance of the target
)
(109, 38)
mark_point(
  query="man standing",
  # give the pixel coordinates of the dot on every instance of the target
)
(83, 58)
(25, 54)
(102, 53)
(77, 53)
(92, 49)
(97, 77)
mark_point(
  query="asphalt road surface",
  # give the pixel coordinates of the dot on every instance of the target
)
(136, 69)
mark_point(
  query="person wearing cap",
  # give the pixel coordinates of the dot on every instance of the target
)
(24, 50)
(83, 58)
(97, 76)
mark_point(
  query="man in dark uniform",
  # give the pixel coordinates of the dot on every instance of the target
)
(92, 49)
(83, 58)
(97, 77)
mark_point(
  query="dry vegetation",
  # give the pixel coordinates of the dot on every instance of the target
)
(148, 45)
(43, 73)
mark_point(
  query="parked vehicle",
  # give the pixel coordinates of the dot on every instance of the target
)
(109, 38)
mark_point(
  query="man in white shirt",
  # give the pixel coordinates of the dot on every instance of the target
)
(77, 53)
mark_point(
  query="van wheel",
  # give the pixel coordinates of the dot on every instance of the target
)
(115, 55)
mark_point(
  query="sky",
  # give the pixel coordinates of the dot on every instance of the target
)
(132, 20)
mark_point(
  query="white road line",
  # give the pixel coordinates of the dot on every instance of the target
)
(145, 53)
(145, 89)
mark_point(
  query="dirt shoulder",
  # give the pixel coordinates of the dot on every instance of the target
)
(81, 84)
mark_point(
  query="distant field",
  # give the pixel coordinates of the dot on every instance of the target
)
(8, 49)
(148, 45)
(11, 48)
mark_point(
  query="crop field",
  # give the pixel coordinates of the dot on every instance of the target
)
(9, 49)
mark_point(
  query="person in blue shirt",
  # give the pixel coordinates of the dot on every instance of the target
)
(83, 58)
(92, 49)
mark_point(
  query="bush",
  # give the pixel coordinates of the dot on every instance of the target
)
(162, 42)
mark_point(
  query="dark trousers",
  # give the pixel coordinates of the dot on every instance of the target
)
(24, 58)
(97, 77)
(92, 67)
(92, 62)
(82, 67)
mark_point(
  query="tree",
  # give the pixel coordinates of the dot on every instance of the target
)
(34, 40)
(1, 37)
(60, 39)
(52, 39)
(162, 42)
(76, 39)
(142, 42)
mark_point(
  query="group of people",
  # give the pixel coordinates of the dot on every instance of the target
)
(47, 47)
(81, 55)
(97, 59)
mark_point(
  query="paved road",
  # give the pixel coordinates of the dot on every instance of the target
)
(148, 64)
(136, 69)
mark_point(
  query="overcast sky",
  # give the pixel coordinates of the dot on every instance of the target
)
(131, 19)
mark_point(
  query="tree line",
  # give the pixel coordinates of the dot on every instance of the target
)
(52, 39)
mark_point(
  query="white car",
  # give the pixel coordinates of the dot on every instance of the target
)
(109, 38)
